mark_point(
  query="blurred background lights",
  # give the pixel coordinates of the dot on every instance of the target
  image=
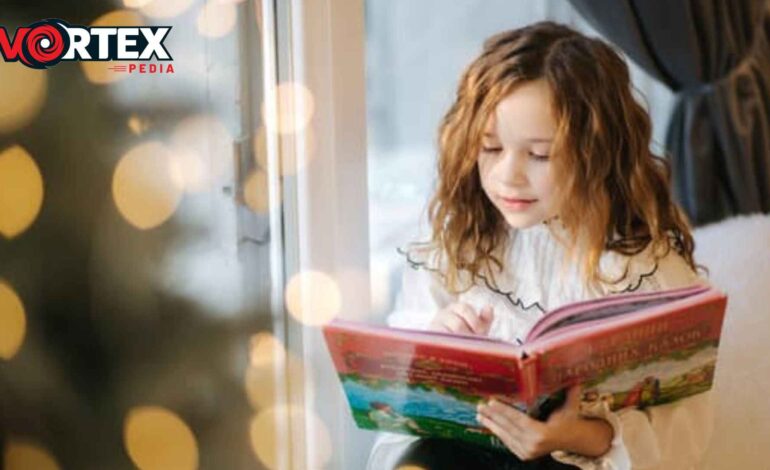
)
(21, 191)
(255, 192)
(164, 9)
(144, 186)
(157, 439)
(269, 361)
(22, 94)
(269, 434)
(137, 124)
(313, 298)
(23, 455)
(217, 18)
(296, 107)
(99, 71)
(135, 3)
(13, 321)
(265, 349)
(203, 147)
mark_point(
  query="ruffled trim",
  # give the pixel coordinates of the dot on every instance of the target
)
(542, 281)
(616, 458)
(509, 295)
(637, 268)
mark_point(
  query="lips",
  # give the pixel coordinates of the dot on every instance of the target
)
(517, 199)
(516, 203)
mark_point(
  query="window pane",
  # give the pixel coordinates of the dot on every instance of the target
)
(134, 258)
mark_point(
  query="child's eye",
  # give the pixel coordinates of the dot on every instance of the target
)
(538, 157)
(491, 149)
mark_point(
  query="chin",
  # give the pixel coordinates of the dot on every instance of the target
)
(523, 221)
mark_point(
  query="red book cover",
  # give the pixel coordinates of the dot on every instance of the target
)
(629, 350)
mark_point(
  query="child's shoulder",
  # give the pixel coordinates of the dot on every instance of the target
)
(423, 255)
(652, 269)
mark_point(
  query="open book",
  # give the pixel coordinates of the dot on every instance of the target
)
(628, 350)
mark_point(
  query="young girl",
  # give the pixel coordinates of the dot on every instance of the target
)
(547, 194)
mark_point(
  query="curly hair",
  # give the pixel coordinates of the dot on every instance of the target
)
(613, 192)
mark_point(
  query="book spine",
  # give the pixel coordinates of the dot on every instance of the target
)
(529, 379)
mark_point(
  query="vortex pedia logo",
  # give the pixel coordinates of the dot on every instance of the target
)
(46, 43)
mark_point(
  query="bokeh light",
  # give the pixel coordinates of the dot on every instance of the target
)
(164, 9)
(22, 95)
(255, 192)
(202, 146)
(137, 124)
(216, 18)
(265, 349)
(296, 107)
(313, 298)
(13, 321)
(24, 455)
(157, 439)
(270, 362)
(21, 191)
(269, 435)
(99, 71)
(145, 185)
(135, 3)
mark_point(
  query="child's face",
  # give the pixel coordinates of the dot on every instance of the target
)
(514, 160)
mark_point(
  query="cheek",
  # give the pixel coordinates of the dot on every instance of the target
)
(543, 181)
(485, 170)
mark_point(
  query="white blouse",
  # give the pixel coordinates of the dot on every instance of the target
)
(536, 280)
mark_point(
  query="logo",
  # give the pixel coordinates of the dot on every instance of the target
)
(46, 43)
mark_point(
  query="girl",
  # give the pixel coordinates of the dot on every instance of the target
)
(547, 194)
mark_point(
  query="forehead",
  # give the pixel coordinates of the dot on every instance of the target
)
(524, 114)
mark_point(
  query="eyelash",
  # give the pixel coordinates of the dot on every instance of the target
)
(536, 156)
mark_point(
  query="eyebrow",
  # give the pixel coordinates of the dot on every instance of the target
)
(534, 140)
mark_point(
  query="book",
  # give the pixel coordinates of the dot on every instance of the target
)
(637, 349)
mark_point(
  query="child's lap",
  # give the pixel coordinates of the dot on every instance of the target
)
(443, 454)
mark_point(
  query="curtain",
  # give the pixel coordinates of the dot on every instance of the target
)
(715, 55)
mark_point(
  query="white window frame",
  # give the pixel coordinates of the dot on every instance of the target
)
(319, 218)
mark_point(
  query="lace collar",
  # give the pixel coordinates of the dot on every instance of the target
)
(537, 275)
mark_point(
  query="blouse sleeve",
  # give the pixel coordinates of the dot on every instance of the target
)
(672, 436)
(422, 294)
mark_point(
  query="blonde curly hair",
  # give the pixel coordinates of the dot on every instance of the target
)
(614, 193)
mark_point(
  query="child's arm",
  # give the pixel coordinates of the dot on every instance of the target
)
(665, 437)
(565, 429)
(662, 437)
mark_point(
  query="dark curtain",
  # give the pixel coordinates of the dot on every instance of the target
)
(715, 55)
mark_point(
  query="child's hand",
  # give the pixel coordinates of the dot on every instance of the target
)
(462, 318)
(565, 429)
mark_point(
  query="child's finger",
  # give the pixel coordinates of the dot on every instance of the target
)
(470, 318)
(456, 323)
(502, 433)
(487, 314)
(574, 395)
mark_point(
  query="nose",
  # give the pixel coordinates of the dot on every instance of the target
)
(513, 169)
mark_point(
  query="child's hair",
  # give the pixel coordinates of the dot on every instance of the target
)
(613, 192)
